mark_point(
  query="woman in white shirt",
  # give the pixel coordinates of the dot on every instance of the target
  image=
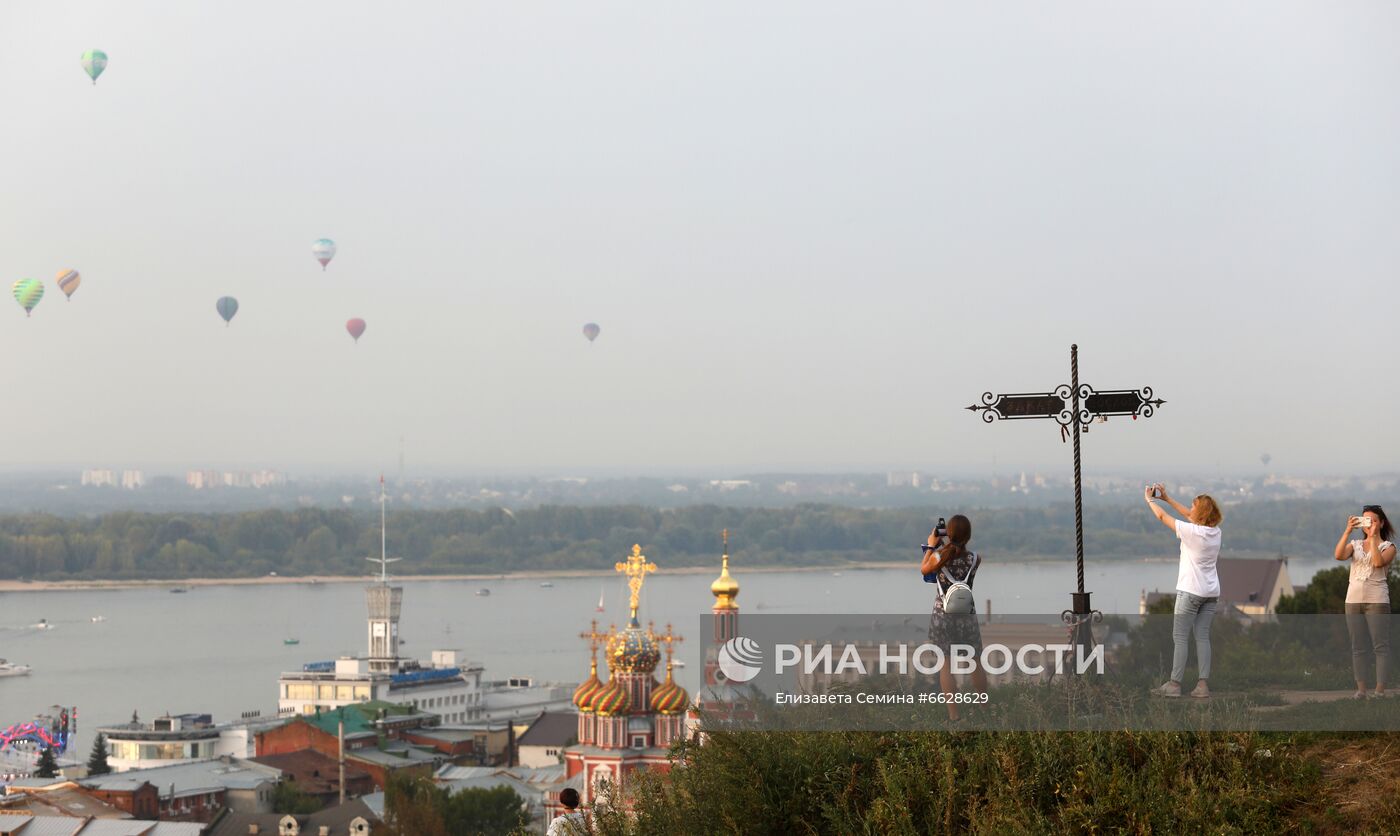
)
(1368, 595)
(1197, 583)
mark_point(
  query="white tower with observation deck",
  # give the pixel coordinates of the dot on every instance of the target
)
(445, 685)
(384, 603)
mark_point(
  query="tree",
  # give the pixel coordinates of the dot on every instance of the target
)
(415, 807)
(287, 799)
(97, 761)
(48, 764)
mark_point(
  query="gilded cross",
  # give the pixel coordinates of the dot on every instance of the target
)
(636, 568)
(595, 641)
(669, 638)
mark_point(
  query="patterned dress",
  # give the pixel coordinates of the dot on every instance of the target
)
(945, 629)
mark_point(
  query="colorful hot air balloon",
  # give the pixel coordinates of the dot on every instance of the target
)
(591, 331)
(68, 281)
(227, 306)
(94, 62)
(28, 292)
(356, 327)
(324, 250)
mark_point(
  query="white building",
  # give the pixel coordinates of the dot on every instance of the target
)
(181, 738)
(133, 480)
(204, 479)
(445, 687)
(99, 478)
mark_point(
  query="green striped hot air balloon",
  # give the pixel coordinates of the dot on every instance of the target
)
(28, 292)
(94, 62)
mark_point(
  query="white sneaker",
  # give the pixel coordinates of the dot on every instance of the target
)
(1200, 692)
(1168, 689)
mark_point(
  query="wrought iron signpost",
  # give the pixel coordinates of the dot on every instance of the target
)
(1074, 407)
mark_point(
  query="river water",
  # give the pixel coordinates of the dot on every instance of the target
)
(219, 649)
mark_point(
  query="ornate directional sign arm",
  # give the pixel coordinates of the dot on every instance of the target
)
(1057, 405)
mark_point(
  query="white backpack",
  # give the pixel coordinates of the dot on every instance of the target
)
(957, 598)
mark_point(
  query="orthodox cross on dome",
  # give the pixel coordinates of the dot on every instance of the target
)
(636, 568)
(669, 638)
(594, 638)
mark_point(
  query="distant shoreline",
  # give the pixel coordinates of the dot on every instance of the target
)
(524, 574)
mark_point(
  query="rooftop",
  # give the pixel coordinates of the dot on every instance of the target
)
(551, 728)
(17, 824)
(312, 771)
(189, 778)
(337, 819)
(64, 798)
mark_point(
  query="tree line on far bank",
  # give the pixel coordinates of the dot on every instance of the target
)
(309, 541)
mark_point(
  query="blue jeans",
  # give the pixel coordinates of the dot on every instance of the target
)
(1193, 614)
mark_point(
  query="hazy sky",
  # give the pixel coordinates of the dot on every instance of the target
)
(811, 231)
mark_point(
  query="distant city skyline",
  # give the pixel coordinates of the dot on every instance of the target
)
(811, 234)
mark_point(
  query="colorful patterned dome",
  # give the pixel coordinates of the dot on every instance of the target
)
(669, 698)
(612, 700)
(585, 692)
(633, 650)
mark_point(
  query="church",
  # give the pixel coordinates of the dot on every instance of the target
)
(629, 722)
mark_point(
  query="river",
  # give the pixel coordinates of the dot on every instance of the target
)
(219, 649)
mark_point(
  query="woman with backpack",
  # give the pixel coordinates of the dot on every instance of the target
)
(951, 568)
(1197, 583)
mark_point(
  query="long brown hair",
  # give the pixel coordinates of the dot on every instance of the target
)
(959, 532)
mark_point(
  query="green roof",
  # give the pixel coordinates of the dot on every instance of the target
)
(359, 717)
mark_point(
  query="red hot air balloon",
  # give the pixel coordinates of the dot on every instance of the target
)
(355, 327)
(591, 331)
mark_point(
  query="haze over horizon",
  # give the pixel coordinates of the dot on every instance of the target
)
(811, 232)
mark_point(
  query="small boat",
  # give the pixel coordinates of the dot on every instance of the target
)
(836, 574)
(178, 589)
(601, 608)
(483, 592)
(9, 669)
(41, 624)
(97, 619)
(546, 585)
(677, 663)
(291, 641)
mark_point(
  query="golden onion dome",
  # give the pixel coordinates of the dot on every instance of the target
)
(589, 688)
(725, 588)
(612, 700)
(633, 650)
(669, 698)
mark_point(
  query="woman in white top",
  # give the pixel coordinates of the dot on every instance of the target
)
(1368, 595)
(1197, 584)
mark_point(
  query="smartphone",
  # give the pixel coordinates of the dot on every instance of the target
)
(1156, 491)
(1363, 521)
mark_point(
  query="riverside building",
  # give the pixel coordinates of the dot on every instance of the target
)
(443, 685)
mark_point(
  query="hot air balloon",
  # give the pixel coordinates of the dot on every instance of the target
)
(591, 331)
(356, 327)
(324, 250)
(227, 306)
(1265, 458)
(94, 62)
(68, 281)
(28, 292)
